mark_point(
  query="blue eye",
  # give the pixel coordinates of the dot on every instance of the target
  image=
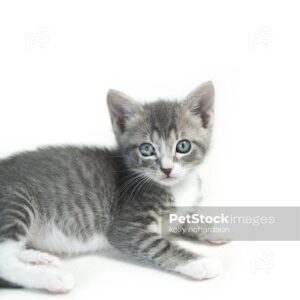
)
(146, 149)
(183, 146)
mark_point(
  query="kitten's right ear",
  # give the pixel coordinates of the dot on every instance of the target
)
(121, 107)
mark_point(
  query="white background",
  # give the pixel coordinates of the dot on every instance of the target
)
(59, 58)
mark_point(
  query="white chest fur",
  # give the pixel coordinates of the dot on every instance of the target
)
(188, 192)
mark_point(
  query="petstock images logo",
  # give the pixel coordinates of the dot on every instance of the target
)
(233, 223)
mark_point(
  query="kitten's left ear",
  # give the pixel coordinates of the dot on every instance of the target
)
(201, 102)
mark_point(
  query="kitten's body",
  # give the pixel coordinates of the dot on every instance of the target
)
(69, 200)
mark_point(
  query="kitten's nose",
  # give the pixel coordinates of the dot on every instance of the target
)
(167, 171)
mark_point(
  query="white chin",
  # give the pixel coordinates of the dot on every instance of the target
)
(169, 181)
(166, 181)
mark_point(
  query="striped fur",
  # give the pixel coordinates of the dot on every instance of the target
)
(71, 200)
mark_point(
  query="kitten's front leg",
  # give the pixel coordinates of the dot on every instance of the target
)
(198, 232)
(201, 237)
(134, 239)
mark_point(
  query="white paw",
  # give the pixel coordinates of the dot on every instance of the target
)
(202, 268)
(58, 282)
(39, 258)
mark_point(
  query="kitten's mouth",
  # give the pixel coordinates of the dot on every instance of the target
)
(168, 181)
(169, 178)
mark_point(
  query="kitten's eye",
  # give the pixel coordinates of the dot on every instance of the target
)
(147, 149)
(183, 146)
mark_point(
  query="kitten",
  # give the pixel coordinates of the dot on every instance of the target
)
(70, 200)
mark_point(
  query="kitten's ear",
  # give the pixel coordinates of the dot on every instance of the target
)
(201, 102)
(121, 107)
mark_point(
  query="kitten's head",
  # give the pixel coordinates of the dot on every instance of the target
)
(163, 140)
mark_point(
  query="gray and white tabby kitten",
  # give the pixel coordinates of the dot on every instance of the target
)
(71, 200)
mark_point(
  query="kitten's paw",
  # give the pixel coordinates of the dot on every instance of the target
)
(202, 268)
(58, 282)
(39, 258)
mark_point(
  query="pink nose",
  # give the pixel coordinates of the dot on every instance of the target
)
(167, 171)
